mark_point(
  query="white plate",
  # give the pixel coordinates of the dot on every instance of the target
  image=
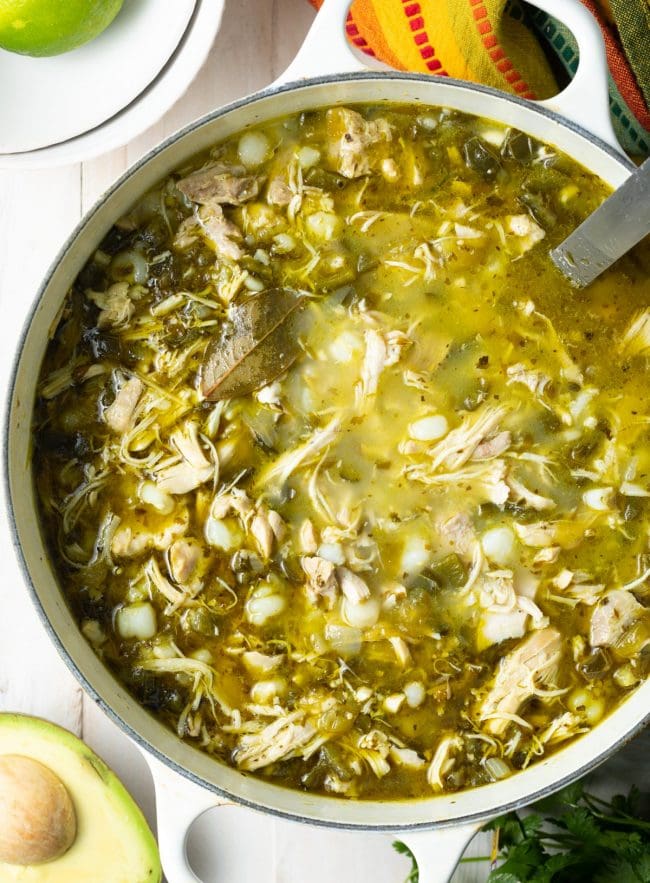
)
(147, 108)
(49, 100)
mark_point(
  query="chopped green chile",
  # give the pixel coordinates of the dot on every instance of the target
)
(406, 550)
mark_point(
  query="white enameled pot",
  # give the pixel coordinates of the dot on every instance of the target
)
(325, 72)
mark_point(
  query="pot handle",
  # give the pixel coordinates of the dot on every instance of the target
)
(438, 851)
(325, 49)
(585, 100)
(179, 803)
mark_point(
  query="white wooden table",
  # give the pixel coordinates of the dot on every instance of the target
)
(38, 209)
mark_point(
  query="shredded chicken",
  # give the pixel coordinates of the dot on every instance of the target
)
(307, 537)
(536, 381)
(532, 663)
(262, 531)
(374, 747)
(636, 340)
(116, 305)
(459, 533)
(443, 760)
(493, 447)
(521, 493)
(289, 461)
(128, 542)
(539, 535)
(321, 580)
(352, 586)
(548, 555)
(460, 444)
(486, 480)
(291, 735)
(527, 231)
(119, 415)
(406, 757)
(223, 234)
(193, 469)
(373, 363)
(612, 616)
(211, 222)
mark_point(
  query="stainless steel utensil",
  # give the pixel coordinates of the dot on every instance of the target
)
(607, 234)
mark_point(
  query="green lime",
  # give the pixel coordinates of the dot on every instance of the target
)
(50, 27)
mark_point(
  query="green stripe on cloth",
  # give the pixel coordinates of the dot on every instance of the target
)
(633, 22)
(633, 137)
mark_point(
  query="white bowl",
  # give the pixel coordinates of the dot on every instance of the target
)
(149, 105)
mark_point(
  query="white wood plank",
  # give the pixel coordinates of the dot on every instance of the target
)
(37, 211)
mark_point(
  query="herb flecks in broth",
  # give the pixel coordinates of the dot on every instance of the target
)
(339, 476)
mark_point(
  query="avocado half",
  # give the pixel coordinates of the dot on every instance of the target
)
(113, 842)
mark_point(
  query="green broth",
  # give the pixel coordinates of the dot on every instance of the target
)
(415, 559)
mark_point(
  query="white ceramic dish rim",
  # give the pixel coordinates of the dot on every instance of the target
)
(145, 109)
(58, 98)
(466, 807)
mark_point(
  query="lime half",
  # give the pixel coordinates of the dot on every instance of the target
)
(50, 27)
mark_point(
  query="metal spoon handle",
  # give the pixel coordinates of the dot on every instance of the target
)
(619, 223)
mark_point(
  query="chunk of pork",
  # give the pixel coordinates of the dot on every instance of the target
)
(352, 151)
(220, 183)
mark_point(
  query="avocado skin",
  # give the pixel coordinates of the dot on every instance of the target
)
(124, 851)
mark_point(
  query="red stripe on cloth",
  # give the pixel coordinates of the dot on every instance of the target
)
(417, 23)
(620, 69)
(359, 41)
(495, 52)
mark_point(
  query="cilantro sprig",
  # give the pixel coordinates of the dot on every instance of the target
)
(569, 837)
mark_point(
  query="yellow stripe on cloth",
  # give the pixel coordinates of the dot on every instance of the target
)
(468, 39)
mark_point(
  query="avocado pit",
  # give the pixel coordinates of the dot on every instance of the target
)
(38, 822)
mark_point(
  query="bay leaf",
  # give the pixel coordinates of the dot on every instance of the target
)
(257, 343)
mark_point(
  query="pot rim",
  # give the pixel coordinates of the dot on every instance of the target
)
(143, 743)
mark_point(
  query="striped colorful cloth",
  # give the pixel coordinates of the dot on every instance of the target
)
(513, 47)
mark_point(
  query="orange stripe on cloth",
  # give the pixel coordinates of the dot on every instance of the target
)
(495, 52)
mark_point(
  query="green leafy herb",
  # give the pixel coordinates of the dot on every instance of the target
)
(571, 837)
(414, 874)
